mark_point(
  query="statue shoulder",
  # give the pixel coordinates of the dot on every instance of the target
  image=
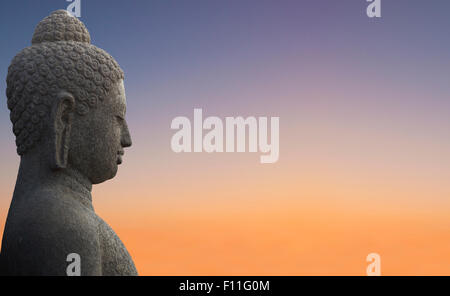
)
(43, 229)
(49, 207)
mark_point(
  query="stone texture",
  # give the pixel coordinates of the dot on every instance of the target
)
(67, 103)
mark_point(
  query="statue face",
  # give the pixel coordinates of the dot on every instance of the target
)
(98, 138)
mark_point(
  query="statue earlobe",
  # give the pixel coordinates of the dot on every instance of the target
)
(61, 124)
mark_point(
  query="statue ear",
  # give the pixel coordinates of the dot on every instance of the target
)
(61, 124)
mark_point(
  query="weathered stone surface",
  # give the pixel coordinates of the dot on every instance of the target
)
(67, 103)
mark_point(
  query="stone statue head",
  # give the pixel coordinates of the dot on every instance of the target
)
(67, 101)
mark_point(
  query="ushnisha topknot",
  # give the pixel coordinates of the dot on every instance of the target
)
(61, 58)
(60, 26)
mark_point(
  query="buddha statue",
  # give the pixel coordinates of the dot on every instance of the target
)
(67, 103)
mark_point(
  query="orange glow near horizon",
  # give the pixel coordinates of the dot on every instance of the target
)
(308, 241)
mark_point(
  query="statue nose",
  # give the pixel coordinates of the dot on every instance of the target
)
(125, 140)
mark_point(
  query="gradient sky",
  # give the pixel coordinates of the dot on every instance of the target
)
(364, 133)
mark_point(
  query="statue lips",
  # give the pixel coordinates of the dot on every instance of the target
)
(119, 157)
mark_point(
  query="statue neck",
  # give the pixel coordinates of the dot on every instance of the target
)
(35, 174)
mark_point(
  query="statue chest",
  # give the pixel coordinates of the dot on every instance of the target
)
(115, 258)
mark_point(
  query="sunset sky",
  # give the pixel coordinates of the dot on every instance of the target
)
(364, 111)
